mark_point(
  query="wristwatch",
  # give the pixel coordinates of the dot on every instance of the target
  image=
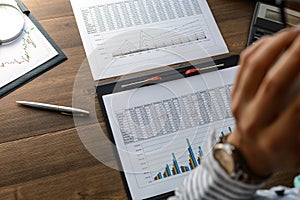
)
(234, 164)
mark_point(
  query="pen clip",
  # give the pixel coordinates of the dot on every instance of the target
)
(65, 113)
(72, 114)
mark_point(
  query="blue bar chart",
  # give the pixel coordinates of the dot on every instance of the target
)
(193, 162)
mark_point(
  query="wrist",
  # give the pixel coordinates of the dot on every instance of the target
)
(234, 164)
(256, 160)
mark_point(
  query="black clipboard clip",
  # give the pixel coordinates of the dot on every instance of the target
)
(169, 75)
(23, 7)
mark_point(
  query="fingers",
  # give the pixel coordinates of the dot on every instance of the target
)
(244, 56)
(282, 139)
(238, 88)
(279, 80)
(268, 69)
(261, 60)
(284, 132)
(255, 67)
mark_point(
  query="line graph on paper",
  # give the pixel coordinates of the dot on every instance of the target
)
(26, 53)
(27, 45)
(145, 40)
(148, 42)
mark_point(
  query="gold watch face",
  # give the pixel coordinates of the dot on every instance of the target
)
(225, 160)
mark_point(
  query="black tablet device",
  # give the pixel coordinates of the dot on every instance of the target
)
(161, 122)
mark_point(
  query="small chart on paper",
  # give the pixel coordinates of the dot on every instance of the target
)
(126, 36)
(24, 55)
(29, 51)
(143, 41)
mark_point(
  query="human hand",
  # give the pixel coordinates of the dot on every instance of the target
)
(268, 135)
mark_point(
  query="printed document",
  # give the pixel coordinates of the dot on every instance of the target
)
(26, 53)
(161, 131)
(126, 36)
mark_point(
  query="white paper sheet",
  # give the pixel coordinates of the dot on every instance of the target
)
(26, 53)
(152, 123)
(125, 36)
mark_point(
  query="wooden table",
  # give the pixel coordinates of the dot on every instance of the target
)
(41, 154)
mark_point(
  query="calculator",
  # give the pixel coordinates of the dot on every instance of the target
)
(266, 20)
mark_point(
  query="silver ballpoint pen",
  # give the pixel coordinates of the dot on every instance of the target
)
(61, 109)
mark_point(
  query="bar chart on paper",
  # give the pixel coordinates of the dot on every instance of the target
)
(168, 138)
(176, 169)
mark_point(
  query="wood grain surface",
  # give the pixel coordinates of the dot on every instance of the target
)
(41, 153)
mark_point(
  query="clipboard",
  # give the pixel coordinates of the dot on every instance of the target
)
(59, 58)
(169, 76)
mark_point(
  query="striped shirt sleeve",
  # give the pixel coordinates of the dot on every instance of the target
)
(210, 181)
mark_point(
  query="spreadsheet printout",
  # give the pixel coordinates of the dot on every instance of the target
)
(161, 131)
(126, 36)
